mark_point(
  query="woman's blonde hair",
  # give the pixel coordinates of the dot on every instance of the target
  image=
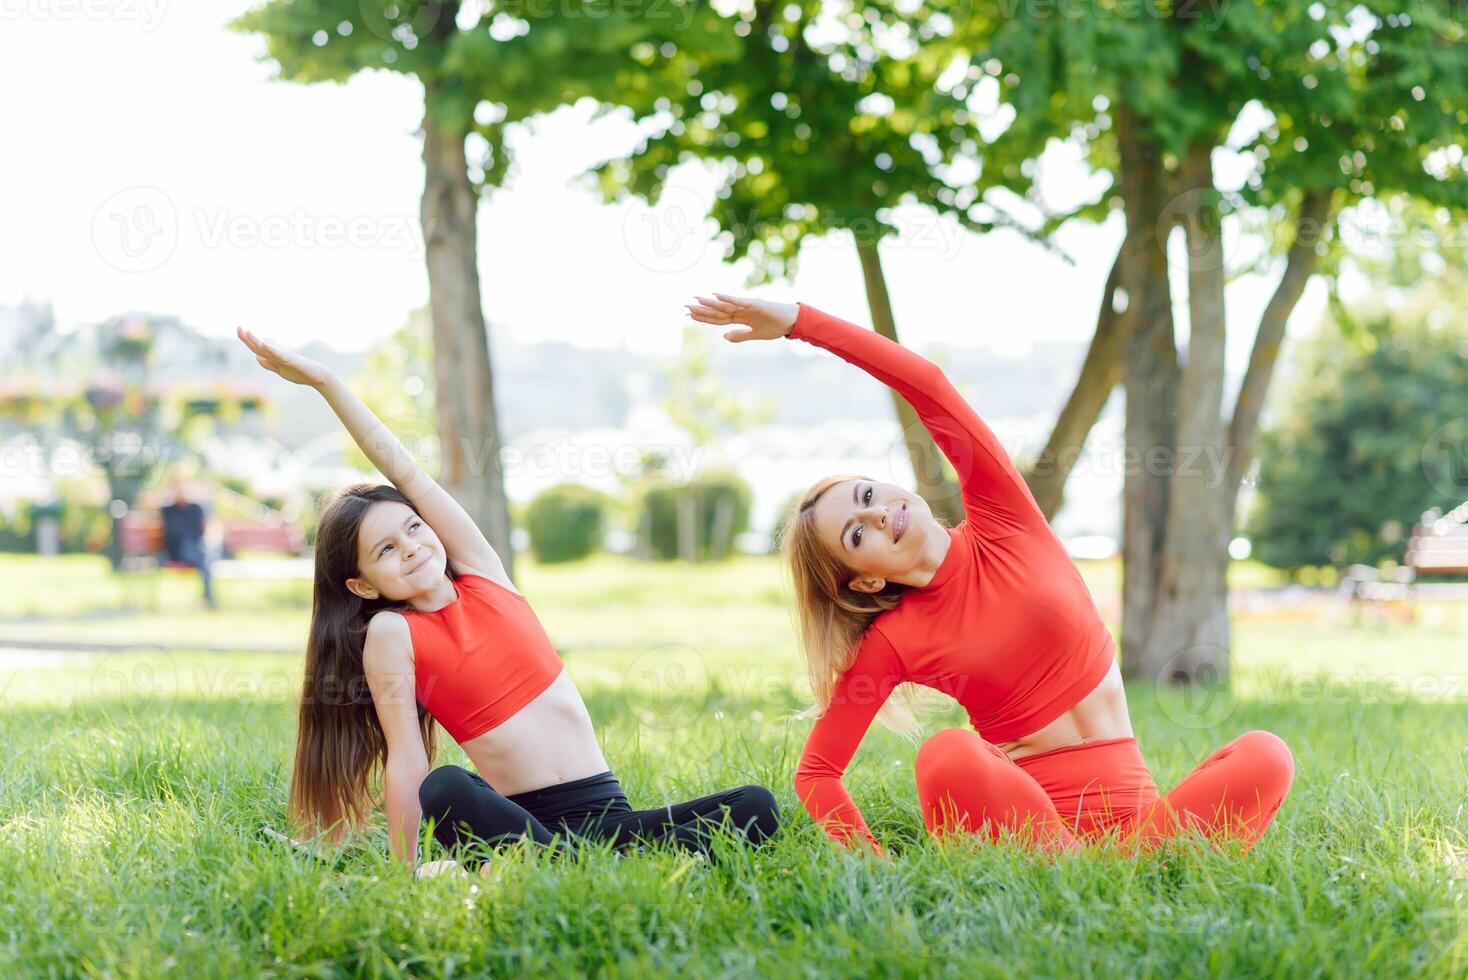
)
(832, 615)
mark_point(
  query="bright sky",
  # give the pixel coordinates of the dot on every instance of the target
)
(151, 164)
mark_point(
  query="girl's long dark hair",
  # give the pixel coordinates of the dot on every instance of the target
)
(339, 741)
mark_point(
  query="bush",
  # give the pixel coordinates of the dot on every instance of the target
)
(15, 526)
(1341, 472)
(82, 527)
(783, 518)
(717, 504)
(565, 523)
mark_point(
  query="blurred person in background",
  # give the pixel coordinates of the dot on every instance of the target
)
(186, 530)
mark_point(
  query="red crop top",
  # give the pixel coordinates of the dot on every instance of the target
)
(479, 659)
(1006, 627)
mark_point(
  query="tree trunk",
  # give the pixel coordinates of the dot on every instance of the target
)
(941, 493)
(720, 540)
(1100, 373)
(1299, 266)
(467, 426)
(688, 526)
(1150, 373)
(1188, 638)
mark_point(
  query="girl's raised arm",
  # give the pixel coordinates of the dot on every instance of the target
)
(464, 542)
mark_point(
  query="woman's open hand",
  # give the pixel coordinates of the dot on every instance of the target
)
(760, 319)
(295, 368)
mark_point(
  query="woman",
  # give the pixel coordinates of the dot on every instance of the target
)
(413, 621)
(993, 613)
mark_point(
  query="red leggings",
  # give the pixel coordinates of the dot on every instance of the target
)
(1059, 799)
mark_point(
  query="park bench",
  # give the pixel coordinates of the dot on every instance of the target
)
(140, 534)
(1438, 546)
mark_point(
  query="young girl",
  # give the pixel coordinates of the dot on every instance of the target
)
(994, 614)
(413, 621)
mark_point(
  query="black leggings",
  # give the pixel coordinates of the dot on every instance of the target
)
(466, 811)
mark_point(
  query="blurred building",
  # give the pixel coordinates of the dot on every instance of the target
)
(585, 415)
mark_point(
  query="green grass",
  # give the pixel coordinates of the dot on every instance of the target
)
(133, 785)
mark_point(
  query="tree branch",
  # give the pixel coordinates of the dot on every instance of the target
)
(1100, 373)
(1299, 267)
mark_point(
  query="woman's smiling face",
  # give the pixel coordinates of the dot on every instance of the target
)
(398, 555)
(878, 530)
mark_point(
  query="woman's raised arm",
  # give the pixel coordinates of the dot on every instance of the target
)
(996, 498)
(464, 541)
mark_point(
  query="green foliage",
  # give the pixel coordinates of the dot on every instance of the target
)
(1352, 462)
(484, 68)
(396, 380)
(566, 522)
(709, 510)
(82, 523)
(1359, 94)
(812, 121)
(16, 530)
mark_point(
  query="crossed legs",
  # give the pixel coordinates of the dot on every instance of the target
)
(1233, 794)
(967, 785)
(467, 810)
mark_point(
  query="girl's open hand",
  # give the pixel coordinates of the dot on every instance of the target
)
(295, 368)
(757, 319)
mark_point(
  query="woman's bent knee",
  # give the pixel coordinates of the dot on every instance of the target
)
(758, 812)
(1274, 754)
(1271, 752)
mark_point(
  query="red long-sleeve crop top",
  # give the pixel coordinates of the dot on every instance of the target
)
(1006, 627)
(480, 659)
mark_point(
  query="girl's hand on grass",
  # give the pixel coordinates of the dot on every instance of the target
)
(293, 367)
(764, 320)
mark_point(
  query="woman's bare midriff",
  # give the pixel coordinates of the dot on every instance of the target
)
(1102, 714)
(549, 741)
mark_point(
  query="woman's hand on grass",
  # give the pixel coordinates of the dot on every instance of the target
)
(293, 367)
(757, 319)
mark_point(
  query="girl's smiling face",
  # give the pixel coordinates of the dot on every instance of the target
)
(398, 555)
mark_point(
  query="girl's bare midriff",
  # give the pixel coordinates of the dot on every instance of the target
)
(1102, 714)
(549, 741)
